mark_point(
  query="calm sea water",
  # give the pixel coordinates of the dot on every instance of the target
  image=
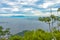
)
(18, 24)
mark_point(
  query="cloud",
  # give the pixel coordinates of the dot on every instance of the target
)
(15, 9)
(34, 8)
(27, 2)
(5, 10)
(49, 3)
(39, 13)
(18, 4)
(46, 4)
(32, 13)
(11, 3)
(11, 15)
(27, 9)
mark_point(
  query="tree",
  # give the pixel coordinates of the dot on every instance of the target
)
(3, 32)
(58, 24)
(53, 19)
(49, 20)
(58, 9)
(46, 20)
(1, 28)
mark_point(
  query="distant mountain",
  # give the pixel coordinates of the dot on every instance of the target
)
(22, 33)
(27, 17)
(17, 16)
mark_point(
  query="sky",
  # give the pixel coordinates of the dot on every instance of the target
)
(28, 7)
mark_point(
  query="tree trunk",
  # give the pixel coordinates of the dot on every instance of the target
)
(52, 23)
(57, 21)
(49, 27)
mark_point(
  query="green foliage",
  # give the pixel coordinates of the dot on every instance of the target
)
(3, 39)
(22, 33)
(45, 19)
(58, 9)
(3, 33)
(15, 37)
(38, 34)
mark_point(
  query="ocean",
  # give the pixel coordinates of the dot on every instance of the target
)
(18, 24)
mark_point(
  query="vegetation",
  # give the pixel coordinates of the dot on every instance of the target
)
(38, 34)
(3, 33)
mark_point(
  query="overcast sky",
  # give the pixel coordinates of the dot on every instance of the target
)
(28, 7)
